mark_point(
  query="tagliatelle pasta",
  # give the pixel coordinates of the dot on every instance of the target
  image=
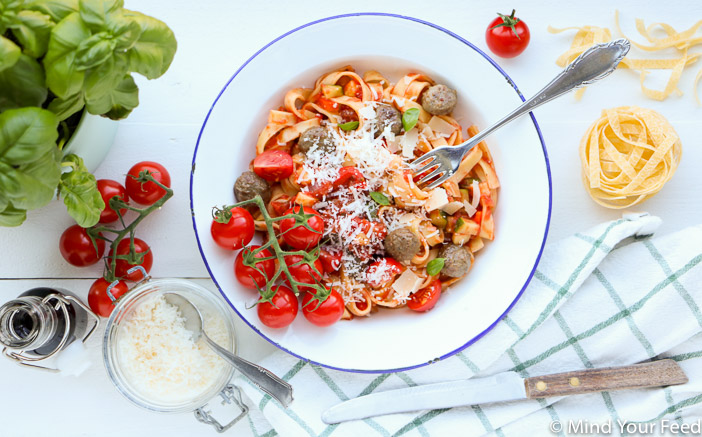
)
(628, 155)
(355, 174)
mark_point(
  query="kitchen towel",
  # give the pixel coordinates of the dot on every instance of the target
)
(606, 297)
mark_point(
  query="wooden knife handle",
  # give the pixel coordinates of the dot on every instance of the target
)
(653, 374)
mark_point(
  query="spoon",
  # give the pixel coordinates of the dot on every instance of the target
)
(262, 378)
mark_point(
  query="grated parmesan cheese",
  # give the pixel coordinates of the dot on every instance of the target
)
(160, 359)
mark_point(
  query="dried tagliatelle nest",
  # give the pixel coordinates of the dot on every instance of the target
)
(681, 42)
(627, 156)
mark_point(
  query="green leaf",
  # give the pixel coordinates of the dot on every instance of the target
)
(80, 194)
(351, 125)
(104, 79)
(9, 53)
(26, 134)
(94, 51)
(32, 30)
(434, 267)
(12, 216)
(125, 31)
(97, 13)
(56, 9)
(153, 52)
(31, 185)
(379, 198)
(124, 99)
(22, 84)
(409, 118)
(64, 108)
(62, 75)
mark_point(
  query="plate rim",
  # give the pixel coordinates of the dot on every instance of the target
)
(509, 81)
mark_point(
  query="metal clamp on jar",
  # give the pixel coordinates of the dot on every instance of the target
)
(41, 323)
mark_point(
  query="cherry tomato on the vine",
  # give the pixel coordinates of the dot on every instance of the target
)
(280, 311)
(303, 272)
(77, 248)
(147, 193)
(426, 298)
(236, 233)
(109, 189)
(328, 312)
(507, 36)
(100, 301)
(122, 265)
(296, 235)
(273, 165)
(248, 276)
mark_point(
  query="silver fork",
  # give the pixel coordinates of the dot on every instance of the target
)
(592, 65)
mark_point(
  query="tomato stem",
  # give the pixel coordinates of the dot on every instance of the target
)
(508, 21)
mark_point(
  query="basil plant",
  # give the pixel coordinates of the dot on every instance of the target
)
(59, 58)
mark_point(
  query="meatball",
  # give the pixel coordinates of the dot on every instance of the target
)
(439, 100)
(388, 116)
(402, 244)
(456, 260)
(249, 185)
(316, 136)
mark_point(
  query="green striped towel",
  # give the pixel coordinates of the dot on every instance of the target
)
(590, 304)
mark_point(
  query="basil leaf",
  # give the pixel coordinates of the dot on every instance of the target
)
(56, 9)
(379, 198)
(9, 53)
(22, 84)
(62, 74)
(351, 125)
(122, 100)
(94, 51)
(32, 30)
(64, 108)
(97, 13)
(80, 194)
(102, 80)
(410, 118)
(434, 267)
(12, 216)
(153, 52)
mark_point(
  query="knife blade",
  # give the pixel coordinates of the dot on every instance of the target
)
(507, 386)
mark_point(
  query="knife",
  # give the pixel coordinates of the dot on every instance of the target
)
(508, 386)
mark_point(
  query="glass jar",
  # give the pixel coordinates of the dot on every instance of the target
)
(207, 302)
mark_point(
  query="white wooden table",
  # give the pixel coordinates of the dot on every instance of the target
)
(214, 38)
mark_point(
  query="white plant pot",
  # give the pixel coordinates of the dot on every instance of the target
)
(92, 139)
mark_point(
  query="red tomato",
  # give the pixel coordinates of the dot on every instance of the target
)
(353, 89)
(100, 301)
(331, 261)
(248, 276)
(273, 165)
(281, 204)
(236, 233)
(303, 272)
(77, 248)
(327, 105)
(350, 176)
(383, 271)
(109, 189)
(507, 36)
(147, 193)
(328, 312)
(281, 310)
(122, 265)
(426, 298)
(298, 236)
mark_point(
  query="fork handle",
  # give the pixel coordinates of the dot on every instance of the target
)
(592, 65)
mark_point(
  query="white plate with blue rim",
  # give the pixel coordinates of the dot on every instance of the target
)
(390, 340)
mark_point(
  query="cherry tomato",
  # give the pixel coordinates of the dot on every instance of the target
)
(236, 233)
(328, 312)
(353, 89)
(507, 36)
(303, 272)
(100, 301)
(273, 165)
(281, 204)
(147, 193)
(350, 176)
(281, 310)
(426, 298)
(77, 248)
(331, 261)
(297, 235)
(248, 276)
(383, 271)
(327, 104)
(122, 265)
(109, 189)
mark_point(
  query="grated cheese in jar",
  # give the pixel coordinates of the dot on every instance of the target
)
(160, 359)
